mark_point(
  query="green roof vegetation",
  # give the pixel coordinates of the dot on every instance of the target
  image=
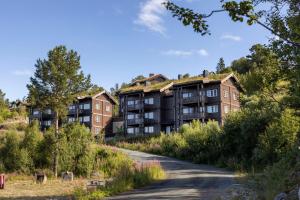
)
(91, 92)
(211, 77)
(148, 88)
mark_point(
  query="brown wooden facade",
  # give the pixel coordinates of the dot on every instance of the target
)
(179, 102)
(95, 112)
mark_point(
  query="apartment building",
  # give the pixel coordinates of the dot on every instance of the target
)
(141, 105)
(94, 110)
(206, 97)
(157, 104)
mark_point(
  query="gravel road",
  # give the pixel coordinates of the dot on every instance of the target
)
(185, 181)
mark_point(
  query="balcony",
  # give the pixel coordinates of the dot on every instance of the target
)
(134, 107)
(193, 99)
(150, 121)
(72, 112)
(150, 106)
(84, 112)
(191, 116)
(134, 121)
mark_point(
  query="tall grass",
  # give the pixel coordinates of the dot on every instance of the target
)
(126, 174)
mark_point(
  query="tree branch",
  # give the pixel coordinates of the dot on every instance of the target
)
(212, 12)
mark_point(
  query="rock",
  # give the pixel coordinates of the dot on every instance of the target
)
(281, 196)
(93, 185)
(67, 176)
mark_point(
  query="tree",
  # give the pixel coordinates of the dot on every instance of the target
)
(220, 66)
(281, 18)
(55, 84)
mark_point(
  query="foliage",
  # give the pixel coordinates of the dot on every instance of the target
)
(195, 142)
(4, 107)
(220, 66)
(126, 173)
(56, 83)
(75, 152)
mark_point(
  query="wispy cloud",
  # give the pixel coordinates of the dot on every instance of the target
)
(150, 16)
(177, 53)
(202, 52)
(231, 37)
(22, 72)
(183, 53)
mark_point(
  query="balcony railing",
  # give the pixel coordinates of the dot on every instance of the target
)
(193, 99)
(134, 121)
(191, 116)
(150, 121)
(134, 106)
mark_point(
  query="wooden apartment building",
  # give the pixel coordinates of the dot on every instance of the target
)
(157, 104)
(93, 110)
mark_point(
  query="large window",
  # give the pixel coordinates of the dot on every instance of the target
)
(129, 103)
(72, 107)
(234, 96)
(149, 101)
(149, 129)
(201, 109)
(130, 116)
(132, 130)
(213, 109)
(71, 119)
(187, 95)
(36, 112)
(149, 115)
(47, 123)
(226, 93)
(188, 110)
(226, 109)
(84, 119)
(85, 106)
(97, 106)
(212, 93)
(107, 108)
(98, 118)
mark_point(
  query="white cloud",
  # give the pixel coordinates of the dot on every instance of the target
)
(202, 52)
(182, 53)
(231, 37)
(150, 16)
(22, 72)
(177, 53)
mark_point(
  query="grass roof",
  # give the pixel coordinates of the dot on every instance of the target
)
(211, 77)
(148, 88)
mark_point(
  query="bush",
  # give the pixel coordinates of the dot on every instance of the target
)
(278, 139)
(13, 157)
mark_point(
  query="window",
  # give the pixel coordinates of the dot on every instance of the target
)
(107, 108)
(213, 109)
(130, 116)
(129, 103)
(48, 111)
(234, 96)
(71, 119)
(98, 118)
(149, 115)
(97, 106)
(130, 130)
(47, 123)
(97, 131)
(36, 112)
(212, 93)
(85, 106)
(149, 129)
(201, 109)
(149, 101)
(226, 93)
(188, 110)
(187, 95)
(72, 107)
(86, 119)
(226, 109)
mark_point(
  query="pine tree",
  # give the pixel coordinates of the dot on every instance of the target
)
(220, 65)
(55, 84)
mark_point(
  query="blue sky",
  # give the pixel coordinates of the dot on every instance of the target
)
(117, 39)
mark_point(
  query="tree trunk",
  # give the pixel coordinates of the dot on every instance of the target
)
(55, 161)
